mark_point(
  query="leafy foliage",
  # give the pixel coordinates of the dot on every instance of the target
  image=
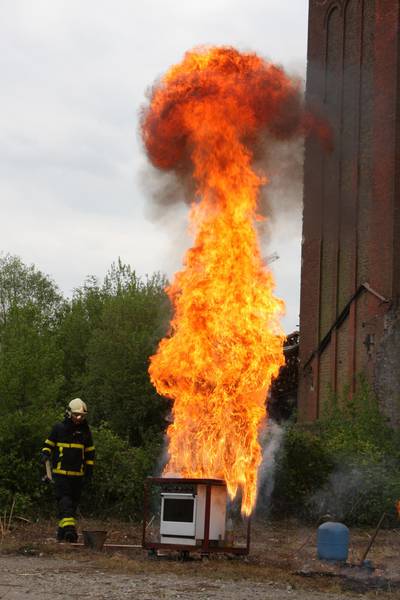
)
(346, 465)
(96, 345)
(354, 426)
(80, 318)
(30, 359)
(133, 319)
(303, 467)
(21, 438)
(22, 286)
(117, 486)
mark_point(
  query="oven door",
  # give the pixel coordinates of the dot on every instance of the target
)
(178, 515)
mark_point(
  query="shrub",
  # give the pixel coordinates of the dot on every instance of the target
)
(117, 486)
(303, 466)
(354, 428)
(358, 493)
(21, 439)
(119, 474)
(347, 464)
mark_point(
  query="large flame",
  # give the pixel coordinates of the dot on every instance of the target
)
(225, 342)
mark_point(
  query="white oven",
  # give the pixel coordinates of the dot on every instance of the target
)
(183, 516)
(178, 518)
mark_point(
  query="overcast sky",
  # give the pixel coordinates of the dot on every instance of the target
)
(74, 180)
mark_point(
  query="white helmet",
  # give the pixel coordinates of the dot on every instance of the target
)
(77, 406)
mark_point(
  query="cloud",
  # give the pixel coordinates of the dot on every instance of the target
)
(74, 77)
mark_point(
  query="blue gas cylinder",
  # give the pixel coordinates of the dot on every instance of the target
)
(333, 541)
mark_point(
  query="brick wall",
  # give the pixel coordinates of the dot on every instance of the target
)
(351, 223)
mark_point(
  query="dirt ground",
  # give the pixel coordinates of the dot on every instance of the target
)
(282, 564)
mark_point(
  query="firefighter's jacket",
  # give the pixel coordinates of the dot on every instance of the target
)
(70, 448)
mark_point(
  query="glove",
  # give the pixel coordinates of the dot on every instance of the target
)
(47, 481)
(44, 457)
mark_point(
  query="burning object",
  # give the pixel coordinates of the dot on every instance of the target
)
(183, 514)
(205, 119)
(193, 516)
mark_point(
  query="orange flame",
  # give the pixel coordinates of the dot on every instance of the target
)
(225, 342)
(398, 508)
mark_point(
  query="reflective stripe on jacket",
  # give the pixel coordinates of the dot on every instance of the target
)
(70, 448)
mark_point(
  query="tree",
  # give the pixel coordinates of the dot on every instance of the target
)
(134, 317)
(22, 286)
(97, 344)
(30, 359)
(81, 316)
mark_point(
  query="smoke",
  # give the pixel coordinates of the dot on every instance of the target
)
(277, 146)
(353, 492)
(281, 199)
(265, 104)
(166, 191)
(340, 495)
(283, 164)
(271, 441)
(280, 161)
(162, 459)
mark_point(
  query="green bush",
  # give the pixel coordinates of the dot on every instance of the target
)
(354, 428)
(346, 464)
(358, 493)
(303, 467)
(117, 486)
(96, 345)
(21, 439)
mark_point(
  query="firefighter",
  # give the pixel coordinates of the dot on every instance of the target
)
(70, 450)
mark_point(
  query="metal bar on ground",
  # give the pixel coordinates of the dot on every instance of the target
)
(371, 541)
(82, 545)
(240, 550)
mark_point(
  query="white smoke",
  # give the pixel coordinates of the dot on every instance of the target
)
(163, 459)
(271, 441)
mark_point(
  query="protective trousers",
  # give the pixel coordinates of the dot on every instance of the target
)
(67, 492)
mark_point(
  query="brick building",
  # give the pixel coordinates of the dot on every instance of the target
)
(349, 317)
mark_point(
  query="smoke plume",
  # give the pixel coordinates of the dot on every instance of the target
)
(271, 442)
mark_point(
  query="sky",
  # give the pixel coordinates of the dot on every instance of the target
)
(75, 183)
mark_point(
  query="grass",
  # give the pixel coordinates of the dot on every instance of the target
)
(5, 521)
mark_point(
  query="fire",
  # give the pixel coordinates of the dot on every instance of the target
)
(225, 342)
(398, 508)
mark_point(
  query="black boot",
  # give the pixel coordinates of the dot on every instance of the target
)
(60, 534)
(70, 535)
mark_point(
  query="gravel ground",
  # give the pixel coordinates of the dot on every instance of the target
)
(282, 565)
(45, 578)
